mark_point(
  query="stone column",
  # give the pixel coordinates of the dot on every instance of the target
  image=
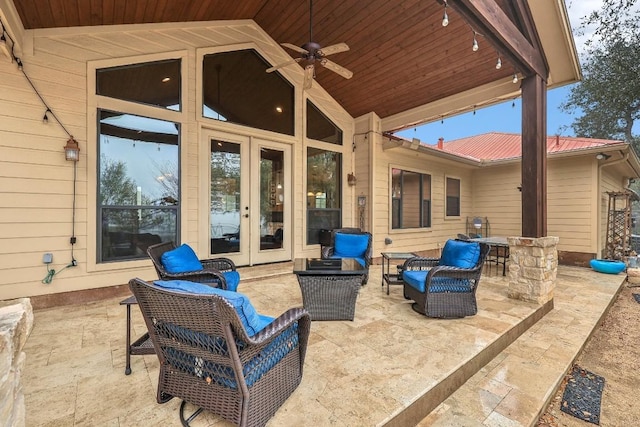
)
(16, 322)
(533, 266)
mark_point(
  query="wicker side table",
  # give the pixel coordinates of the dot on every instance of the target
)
(329, 287)
(330, 297)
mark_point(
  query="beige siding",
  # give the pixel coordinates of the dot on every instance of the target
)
(572, 213)
(36, 182)
(496, 196)
(418, 239)
(570, 194)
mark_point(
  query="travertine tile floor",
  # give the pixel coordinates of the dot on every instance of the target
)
(360, 373)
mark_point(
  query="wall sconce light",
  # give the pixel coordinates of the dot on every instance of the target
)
(72, 150)
(351, 179)
(602, 156)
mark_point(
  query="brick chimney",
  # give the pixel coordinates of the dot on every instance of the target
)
(440, 143)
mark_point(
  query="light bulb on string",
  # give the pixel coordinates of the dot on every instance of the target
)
(515, 78)
(475, 46)
(498, 63)
(445, 17)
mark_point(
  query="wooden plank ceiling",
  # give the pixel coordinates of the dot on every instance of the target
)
(401, 55)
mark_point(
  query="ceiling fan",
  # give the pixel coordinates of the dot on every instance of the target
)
(312, 53)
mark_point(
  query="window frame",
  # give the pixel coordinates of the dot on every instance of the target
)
(446, 197)
(422, 175)
(96, 102)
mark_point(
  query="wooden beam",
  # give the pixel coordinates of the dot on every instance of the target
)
(534, 157)
(487, 18)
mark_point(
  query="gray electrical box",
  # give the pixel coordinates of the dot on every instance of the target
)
(47, 258)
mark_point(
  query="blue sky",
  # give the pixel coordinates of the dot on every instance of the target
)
(507, 118)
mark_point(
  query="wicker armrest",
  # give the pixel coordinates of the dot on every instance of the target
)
(419, 263)
(201, 276)
(326, 252)
(222, 264)
(282, 322)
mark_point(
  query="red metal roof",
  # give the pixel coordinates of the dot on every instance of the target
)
(500, 146)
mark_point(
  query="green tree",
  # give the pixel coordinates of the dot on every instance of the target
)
(609, 94)
(608, 98)
(116, 188)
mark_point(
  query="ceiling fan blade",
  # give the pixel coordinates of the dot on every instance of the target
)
(308, 76)
(284, 64)
(336, 68)
(294, 47)
(334, 48)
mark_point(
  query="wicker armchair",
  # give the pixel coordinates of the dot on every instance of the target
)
(442, 290)
(365, 257)
(208, 360)
(214, 270)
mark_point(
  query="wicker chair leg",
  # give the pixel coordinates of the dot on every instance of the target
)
(185, 423)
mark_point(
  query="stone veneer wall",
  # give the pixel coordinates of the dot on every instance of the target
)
(16, 322)
(533, 267)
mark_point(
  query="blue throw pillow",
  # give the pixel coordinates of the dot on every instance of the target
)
(181, 260)
(251, 320)
(348, 245)
(233, 280)
(460, 254)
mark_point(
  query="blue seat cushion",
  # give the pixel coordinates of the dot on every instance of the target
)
(251, 320)
(349, 245)
(418, 280)
(461, 254)
(233, 280)
(181, 260)
(415, 278)
(213, 372)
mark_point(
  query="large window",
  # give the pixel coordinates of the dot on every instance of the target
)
(152, 83)
(138, 184)
(320, 128)
(453, 197)
(323, 192)
(237, 89)
(410, 199)
(138, 176)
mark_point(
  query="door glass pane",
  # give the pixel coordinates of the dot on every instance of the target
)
(324, 201)
(271, 198)
(225, 197)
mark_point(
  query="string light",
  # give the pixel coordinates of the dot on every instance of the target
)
(498, 63)
(515, 78)
(5, 41)
(475, 46)
(445, 17)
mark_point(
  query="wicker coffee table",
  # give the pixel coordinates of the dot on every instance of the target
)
(329, 287)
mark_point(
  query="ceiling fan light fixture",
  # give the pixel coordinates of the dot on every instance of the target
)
(445, 17)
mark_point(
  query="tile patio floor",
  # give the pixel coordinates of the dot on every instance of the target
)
(360, 373)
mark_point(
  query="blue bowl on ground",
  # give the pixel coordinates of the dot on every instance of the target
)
(608, 266)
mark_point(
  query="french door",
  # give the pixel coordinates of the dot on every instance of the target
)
(250, 199)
